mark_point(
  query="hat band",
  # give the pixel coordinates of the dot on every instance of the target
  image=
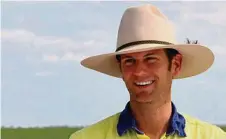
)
(141, 42)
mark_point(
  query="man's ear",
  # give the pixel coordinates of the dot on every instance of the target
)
(176, 64)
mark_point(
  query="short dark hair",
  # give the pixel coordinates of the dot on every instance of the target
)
(118, 57)
(170, 53)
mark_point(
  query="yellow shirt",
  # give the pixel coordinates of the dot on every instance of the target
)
(106, 129)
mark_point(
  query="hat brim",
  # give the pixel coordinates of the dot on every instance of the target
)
(196, 59)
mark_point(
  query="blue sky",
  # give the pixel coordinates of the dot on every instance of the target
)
(44, 84)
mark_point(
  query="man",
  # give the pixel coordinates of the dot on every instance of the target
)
(147, 58)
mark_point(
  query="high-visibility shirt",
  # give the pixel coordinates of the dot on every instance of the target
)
(122, 125)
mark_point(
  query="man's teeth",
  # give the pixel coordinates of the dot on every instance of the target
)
(144, 83)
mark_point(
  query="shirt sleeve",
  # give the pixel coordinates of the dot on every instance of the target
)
(220, 134)
(76, 135)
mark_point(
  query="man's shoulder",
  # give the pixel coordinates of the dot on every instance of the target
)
(193, 121)
(198, 126)
(97, 130)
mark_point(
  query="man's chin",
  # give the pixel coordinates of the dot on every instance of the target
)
(142, 96)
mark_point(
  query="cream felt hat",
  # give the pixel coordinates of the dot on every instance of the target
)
(146, 28)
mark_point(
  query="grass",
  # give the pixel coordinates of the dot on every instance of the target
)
(37, 133)
(41, 133)
(224, 128)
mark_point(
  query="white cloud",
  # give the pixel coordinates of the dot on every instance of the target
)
(217, 18)
(54, 48)
(50, 58)
(88, 43)
(61, 43)
(212, 12)
(69, 56)
(24, 36)
(43, 73)
(72, 57)
(17, 36)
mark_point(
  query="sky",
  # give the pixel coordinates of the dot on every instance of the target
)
(42, 44)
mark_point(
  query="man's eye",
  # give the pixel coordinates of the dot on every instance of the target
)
(129, 61)
(151, 59)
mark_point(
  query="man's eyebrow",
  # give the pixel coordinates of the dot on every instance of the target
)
(149, 54)
(127, 56)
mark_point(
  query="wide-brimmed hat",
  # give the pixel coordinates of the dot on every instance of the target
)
(145, 28)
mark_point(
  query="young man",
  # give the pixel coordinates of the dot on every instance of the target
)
(147, 58)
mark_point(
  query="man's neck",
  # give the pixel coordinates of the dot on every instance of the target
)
(152, 119)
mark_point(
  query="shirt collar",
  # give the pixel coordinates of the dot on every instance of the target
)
(127, 121)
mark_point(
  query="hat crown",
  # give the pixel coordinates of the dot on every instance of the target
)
(144, 22)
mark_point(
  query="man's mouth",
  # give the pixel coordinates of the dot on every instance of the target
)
(144, 83)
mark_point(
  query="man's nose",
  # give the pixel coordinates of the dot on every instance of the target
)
(140, 69)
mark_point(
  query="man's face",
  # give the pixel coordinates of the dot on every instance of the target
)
(147, 76)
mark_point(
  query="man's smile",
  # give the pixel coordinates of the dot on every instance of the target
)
(144, 83)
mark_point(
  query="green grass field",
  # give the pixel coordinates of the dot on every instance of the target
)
(37, 133)
(224, 128)
(40, 133)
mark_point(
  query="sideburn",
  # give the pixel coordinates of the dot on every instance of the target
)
(170, 65)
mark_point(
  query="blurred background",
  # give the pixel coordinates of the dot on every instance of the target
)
(46, 92)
